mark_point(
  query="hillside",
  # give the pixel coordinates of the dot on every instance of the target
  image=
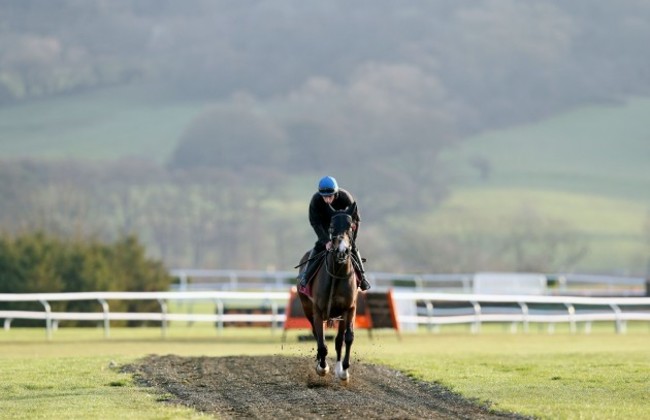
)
(486, 135)
(580, 175)
(110, 123)
(586, 170)
(596, 149)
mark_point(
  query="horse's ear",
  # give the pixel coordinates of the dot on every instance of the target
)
(352, 209)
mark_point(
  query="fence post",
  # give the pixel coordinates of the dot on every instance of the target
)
(183, 286)
(107, 322)
(620, 324)
(233, 280)
(572, 320)
(275, 323)
(476, 325)
(163, 321)
(182, 279)
(429, 307)
(418, 282)
(48, 318)
(467, 284)
(219, 304)
(524, 313)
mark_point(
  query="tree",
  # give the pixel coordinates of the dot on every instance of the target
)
(231, 139)
(41, 263)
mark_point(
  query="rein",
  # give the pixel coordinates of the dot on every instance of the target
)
(315, 257)
(330, 321)
(327, 269)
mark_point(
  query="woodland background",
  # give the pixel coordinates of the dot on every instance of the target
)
(484, 135)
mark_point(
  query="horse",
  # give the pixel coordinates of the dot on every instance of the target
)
(334, 293)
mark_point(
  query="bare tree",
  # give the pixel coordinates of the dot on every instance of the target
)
(535, 243)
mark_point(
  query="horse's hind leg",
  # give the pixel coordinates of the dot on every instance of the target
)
(321, 362)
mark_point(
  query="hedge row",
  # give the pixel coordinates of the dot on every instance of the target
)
(39, 263)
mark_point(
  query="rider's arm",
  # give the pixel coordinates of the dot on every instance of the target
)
(314, 220)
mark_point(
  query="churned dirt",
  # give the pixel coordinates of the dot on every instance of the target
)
(273, 387)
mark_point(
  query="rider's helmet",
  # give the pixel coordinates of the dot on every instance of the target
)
(327, 186)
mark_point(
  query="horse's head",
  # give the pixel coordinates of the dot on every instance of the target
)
(341, 232)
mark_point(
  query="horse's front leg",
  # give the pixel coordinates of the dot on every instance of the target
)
(338, 342)
(321, 362)
(346, 330)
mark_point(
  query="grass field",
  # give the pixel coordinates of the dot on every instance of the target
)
(612, 229)
(595, 149)
(131, 121)
(600, 376)
(586, 169)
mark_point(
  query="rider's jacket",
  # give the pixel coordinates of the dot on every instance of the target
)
(319, 216)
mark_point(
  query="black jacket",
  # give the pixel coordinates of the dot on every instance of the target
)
(319, 216)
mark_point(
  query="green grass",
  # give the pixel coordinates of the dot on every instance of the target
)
(596, 149)
(586, 169)
(612, 228)
(602, 375)
(104, 124)
(560, 376)
(76, 387)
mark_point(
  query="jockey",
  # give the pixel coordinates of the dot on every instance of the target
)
(329, 193)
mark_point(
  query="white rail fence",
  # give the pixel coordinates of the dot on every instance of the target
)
(436, 309)
(275, 300)
(562, 283)
(415, 309)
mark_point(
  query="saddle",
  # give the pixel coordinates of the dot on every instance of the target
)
(306, 290)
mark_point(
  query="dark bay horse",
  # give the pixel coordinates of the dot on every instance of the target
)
(334, 293)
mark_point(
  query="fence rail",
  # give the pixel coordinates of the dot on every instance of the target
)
(437, 309)
(415, 308)
(562, 283)
(273, 299)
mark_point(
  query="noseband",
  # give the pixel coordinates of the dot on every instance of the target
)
(342, 250)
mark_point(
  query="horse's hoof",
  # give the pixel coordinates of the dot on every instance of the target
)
(341, 373)
(322, 371)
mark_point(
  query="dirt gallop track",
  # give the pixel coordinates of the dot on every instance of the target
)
(272, 387)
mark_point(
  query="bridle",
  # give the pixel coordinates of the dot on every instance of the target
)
(341, 256)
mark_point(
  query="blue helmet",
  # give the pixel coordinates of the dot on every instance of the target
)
(327, 186)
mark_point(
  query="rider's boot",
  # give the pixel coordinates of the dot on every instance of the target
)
(306, 274)
(362, 272)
